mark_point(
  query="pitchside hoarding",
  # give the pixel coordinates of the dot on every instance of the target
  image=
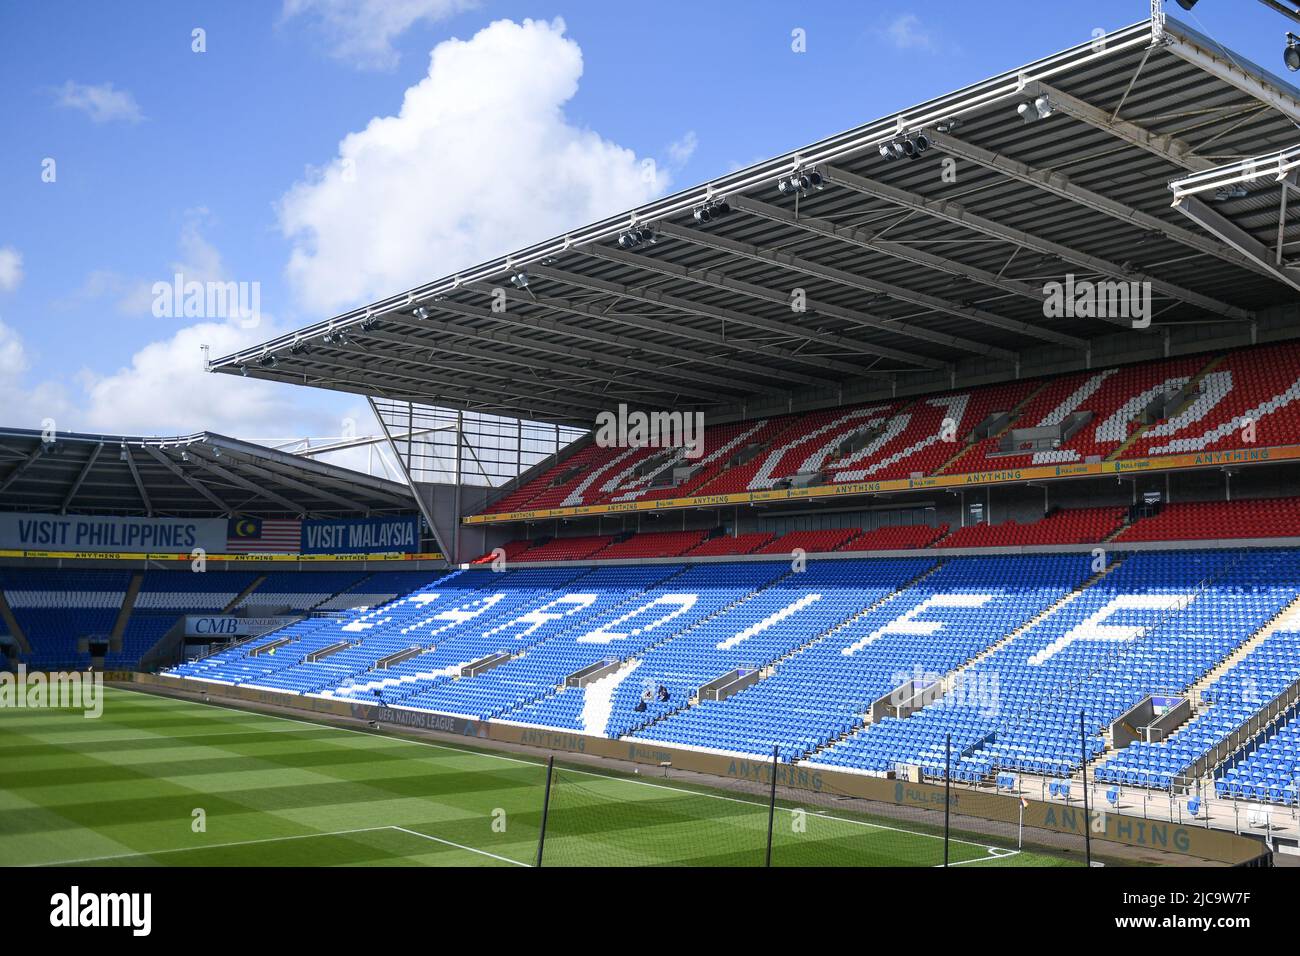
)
(361, 536)
(42, 532)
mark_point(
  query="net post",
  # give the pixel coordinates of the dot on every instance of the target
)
(947, 794)
(546, 807)
(771, 807)
(1087, 814)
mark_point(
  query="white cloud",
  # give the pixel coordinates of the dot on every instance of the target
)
(480, 160)
(906, 32)
(163, 389)
(11, 268)
(681, 151)
(25, 404)
(101, 103)
(361, 32)
(13, 356)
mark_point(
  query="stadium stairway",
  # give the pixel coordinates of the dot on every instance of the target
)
(1287, 615)
(256, 583)
(953, 677)
(631, 663)
(1193, 391)
(1012, 417)
(1287, 619)
(124, 615)
(817, 638)
(12, 627)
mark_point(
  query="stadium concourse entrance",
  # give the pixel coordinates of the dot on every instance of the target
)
(670, 806)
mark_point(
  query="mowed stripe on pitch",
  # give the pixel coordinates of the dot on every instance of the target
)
(285, 781)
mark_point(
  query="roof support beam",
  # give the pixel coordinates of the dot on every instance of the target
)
(865, 239)
(166, 461)
(292, 484)
(761, 373)
(1167, 146)
(579, 368)
(22, 467)
(1238, 238)
(398, 367)
(135, 476)
(364, 386)
(957, 213)
(588, 357)
(410, 483)
(209, 464)
(1059, 184)
(501, 381)
(840, 343)
(923, 300)
(81, 477)
(1227, 71)
(318, 474)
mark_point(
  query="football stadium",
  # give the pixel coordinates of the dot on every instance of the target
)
(925, 496)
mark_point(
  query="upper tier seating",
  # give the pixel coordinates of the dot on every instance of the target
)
(1259, 385)
(512, 550)
(1207, 401)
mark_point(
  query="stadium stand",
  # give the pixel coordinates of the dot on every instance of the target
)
(300, 590)
(1064, 526)
(1267, 769)
(656, 544)
(830, 539)
(58, 609)
(566, 549)
(898, 538)
(1023, 644)
(726, 544)
(1208, 520)
(1192, 403)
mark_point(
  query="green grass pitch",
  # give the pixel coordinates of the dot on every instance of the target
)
(131, 788)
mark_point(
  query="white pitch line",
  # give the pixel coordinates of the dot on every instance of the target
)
(538, 763)
(209, 846)
(459, 846)
(298, 836)
(993, 855)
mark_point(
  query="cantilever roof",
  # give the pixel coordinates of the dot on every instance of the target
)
(203, 475)
(904, 271)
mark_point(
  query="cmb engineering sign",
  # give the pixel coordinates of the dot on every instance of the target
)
(227, 625)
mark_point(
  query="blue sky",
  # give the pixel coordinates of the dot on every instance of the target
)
(262, 159)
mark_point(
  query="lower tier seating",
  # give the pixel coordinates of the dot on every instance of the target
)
(1038, 655)
(1211, 520)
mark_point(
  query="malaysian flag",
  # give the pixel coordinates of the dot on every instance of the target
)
(264, 536)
